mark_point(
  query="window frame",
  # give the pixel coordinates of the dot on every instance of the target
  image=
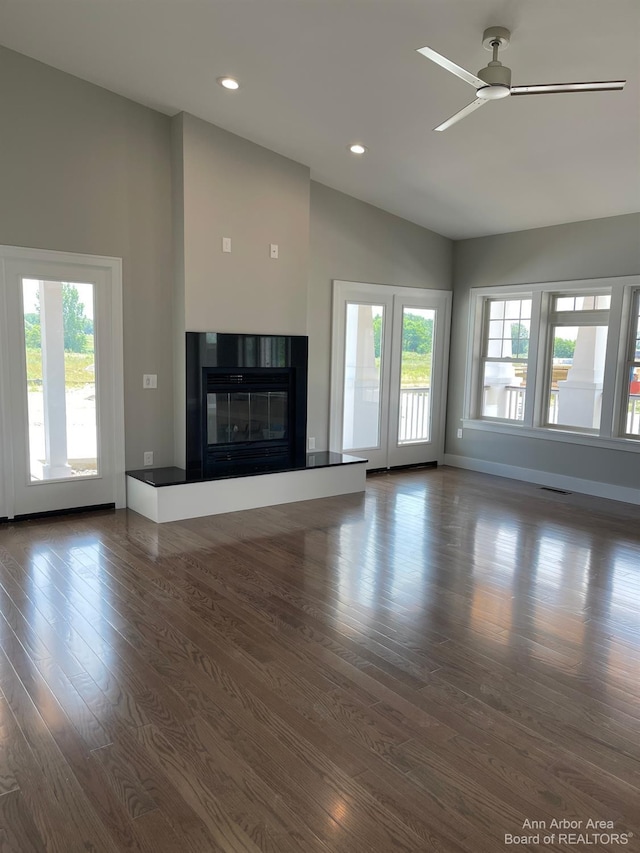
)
(570, 319)
(625, 298)
(485, 358)
(631, 363)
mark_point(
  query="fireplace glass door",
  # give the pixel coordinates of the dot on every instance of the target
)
(249, 420)
(246, 416)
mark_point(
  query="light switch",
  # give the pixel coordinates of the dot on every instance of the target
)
(226, 244)
(273, 250)
(150, 380)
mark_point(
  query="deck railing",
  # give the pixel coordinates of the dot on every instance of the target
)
(515, 408)
(414, 414)
(515, 404)
(633, 415)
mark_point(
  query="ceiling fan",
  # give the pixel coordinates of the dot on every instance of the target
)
(494, 81)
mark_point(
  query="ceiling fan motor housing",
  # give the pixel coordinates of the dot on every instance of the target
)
(498, 79)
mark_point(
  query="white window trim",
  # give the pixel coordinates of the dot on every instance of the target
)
(613, 403)
(628, 304)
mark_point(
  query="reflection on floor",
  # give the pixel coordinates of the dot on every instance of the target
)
(442, 664)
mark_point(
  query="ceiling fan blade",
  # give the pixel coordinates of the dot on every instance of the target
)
(462, 113)
(448, 65)
(559, 88)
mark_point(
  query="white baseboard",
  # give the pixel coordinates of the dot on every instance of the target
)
(545, 478)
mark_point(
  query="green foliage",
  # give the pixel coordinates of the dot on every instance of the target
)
(519, 340)
(417, 334)
(78, 369)
(32, 331)
(417, 343)
(78, 329)
(377, 334)
(73, 319)
(563, 348)
(416, 370)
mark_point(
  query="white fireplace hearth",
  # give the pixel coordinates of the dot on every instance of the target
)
(165, 494)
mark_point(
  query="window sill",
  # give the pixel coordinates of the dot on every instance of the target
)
(564, 436)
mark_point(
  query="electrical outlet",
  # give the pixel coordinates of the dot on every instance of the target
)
(150, 380)
(226, 244)
(459, 433)
(148, 457)
(273, 250)
(311, 443)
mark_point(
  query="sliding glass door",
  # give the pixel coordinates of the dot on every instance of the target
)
(389, 373)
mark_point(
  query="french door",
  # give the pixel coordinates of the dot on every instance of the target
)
(61, 389)
(388, 373)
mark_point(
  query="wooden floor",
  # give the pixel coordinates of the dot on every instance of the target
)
(436, 666)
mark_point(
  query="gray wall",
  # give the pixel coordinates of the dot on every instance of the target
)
(354, 241)
(84, 170)
(592, 249)
(179, 327)
(234, 188)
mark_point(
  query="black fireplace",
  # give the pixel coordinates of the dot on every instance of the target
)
(246, 403)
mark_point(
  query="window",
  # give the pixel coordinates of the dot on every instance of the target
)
(553, 360)
(575, 374)
(631, 410)
(505, 356)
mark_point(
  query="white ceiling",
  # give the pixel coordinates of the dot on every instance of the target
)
(319, 74)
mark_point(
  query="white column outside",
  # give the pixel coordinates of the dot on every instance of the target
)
(498, 376)
(580, 395)
(53, 382)
(362, 384)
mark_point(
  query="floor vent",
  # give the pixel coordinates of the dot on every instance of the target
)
(557, 491)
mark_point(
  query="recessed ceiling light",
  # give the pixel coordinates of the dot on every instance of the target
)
(229, 82)
(357, 148)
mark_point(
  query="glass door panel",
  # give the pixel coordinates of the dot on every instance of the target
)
(414, 416)
(362, 376)
(417, 392)
(61, 383)
(389, 373)
(60, 379)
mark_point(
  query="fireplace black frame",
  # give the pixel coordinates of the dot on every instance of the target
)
(226, 362)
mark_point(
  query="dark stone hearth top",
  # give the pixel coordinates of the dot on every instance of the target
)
(178, 476)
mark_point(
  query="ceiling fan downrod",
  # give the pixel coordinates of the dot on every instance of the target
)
(496, 75)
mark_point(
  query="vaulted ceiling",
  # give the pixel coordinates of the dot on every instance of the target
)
(318, 74)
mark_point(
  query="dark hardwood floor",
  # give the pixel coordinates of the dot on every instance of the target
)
(447, 662)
